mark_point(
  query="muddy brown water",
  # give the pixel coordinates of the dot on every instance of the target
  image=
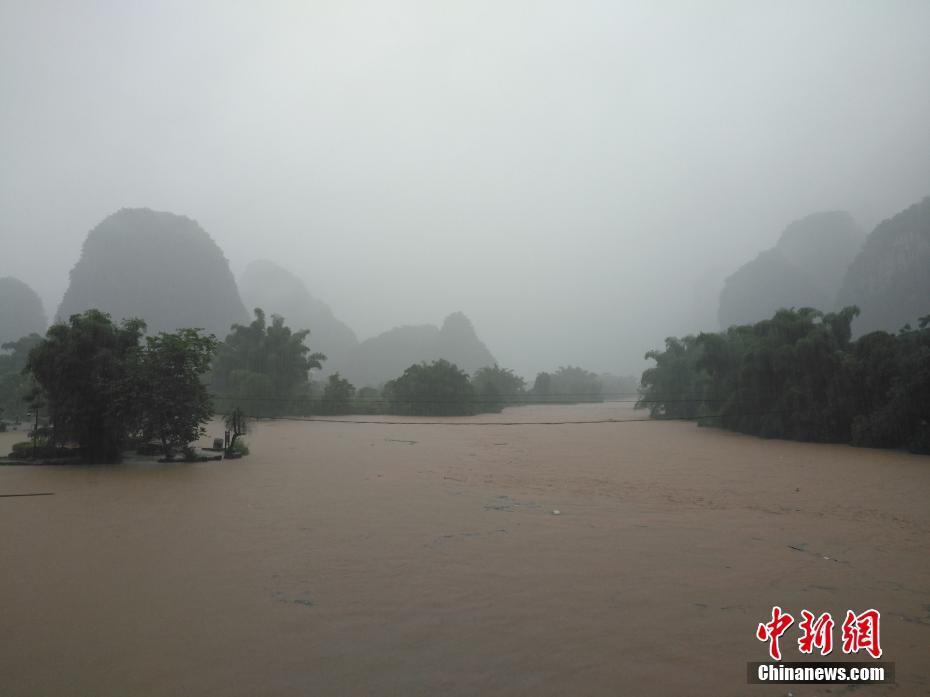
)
(365, 559)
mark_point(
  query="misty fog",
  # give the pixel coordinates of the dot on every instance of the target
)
(578, 179)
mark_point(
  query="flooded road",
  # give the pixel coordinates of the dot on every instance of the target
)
(407, 559)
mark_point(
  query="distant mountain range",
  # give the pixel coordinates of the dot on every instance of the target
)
(387, 355)
(373, 361)
(165, 269)
(826, 262)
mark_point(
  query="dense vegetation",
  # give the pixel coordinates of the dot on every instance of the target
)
(102, 387)
(436, 389)
(338, 395)
(15, 385)
(264, 368)
(800, 376)
(568, 384)
(496, 388)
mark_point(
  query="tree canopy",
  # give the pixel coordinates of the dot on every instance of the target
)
(174, 401)
(496, 387)
(15, 385)
(798, 375)
(85, 370)
(568, 384)
(439, 388)
(264, 367)
(337, 395)
(102, 386)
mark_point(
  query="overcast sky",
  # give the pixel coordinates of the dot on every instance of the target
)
(574, 176)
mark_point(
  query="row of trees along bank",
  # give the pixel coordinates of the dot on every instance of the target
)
(105, 386)
(800, 376)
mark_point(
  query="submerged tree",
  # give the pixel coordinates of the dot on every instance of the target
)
(798, 375)
(438, 388)
(567, 384)
(101, 386)
(85, 370)
(175, 403)
(338, 395)
(496, 387)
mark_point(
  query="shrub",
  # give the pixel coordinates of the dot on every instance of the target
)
(23, 450)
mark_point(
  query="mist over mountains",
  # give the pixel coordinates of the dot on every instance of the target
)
(564, 175)
(804, 269)
(21, 311)
(160, 267)
(387, 355)
(276, 290)
(825, 261)
(167, 270)
(371, 362)
(890, 277)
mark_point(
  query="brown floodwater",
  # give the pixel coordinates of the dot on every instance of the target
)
(405, 559)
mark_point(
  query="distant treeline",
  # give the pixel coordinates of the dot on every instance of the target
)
(439, 388)
(262, 369)
(799, 376)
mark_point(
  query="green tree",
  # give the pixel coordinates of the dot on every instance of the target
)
(175, 403)
(496, 387)
(569, 384)
(338, 395)
(264, 365)
(798, 375)
(542, 386)
(675, 387)
(576, 384)
(435, 389)
(85, 370)
(15, 385)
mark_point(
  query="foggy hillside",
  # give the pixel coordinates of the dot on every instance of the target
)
(804, 269)
(890, 278)
(21, 311)
(276, 290)
(823, 245)
(378, 359)
(160, 267)
(387, 355)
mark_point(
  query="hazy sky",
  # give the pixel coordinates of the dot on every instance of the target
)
(568, 174)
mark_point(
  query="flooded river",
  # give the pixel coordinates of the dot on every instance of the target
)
(417, 559)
